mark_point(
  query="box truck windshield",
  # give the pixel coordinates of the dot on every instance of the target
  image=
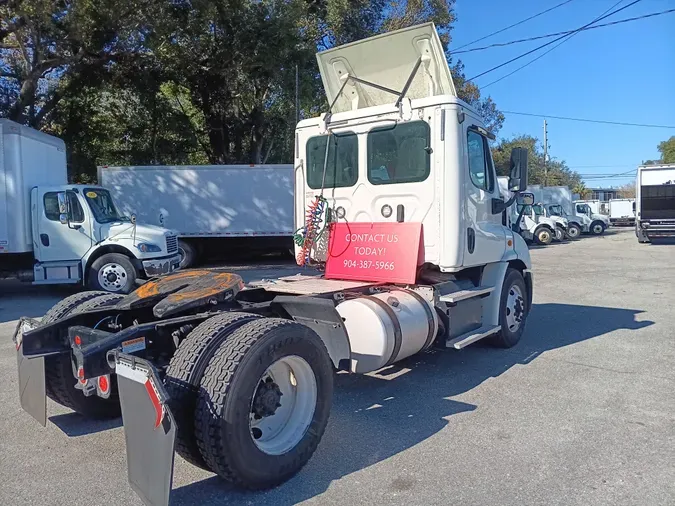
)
(102, 205)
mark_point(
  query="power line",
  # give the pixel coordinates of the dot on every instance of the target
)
(586, 120)
(603, 16)
(602, 166)
(549, 35)
(516, 24)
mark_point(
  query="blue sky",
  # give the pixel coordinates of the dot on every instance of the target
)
(617, 73)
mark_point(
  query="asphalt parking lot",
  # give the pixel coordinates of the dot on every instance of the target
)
(580, 412)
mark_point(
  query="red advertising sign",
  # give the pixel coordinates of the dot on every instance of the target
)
(384, 252)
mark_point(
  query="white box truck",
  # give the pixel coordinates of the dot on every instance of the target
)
(622, 211)
(239, 379)
(52, 232)
(211, 207)
(655, 202)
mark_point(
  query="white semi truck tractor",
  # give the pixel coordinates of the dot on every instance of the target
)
(396, 197)
(52, 232)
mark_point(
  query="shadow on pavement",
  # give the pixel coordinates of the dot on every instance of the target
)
(75, 425)
(377, 416)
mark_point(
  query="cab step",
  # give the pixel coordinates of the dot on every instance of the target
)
(455, 297)
(472, 336)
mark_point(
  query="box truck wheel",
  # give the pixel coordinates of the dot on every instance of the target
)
(597, 227)
(264, 402)
(513, 310)
(113, 272)
(573, 231)
(188, 254)
(59, 378)
(559, 233)
(185, 371)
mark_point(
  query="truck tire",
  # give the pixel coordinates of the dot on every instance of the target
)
(239, 391)
(513, 310)
(188, 254)
(185, 371)
(544, 235)
(597, 227)
(573, 231)
(559, 233)
(113, 273)
(59, 378)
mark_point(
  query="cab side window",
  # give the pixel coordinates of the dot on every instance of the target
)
(480, 162)
(51, 204)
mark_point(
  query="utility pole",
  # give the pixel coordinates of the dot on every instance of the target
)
(545, 153)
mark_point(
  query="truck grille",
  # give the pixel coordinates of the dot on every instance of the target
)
(171, 243)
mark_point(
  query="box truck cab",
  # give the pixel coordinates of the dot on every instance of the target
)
(52, 232)
(594, 223)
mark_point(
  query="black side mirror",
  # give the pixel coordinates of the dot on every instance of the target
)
(518, 170)
(526, 199)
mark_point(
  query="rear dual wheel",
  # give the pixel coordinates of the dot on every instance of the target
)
(263, 402)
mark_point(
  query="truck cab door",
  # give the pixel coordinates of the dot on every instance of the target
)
(485, 235)
(61, 242)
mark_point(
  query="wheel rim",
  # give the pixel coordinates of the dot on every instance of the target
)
(283, 405)
(112, 277)
(573, 232)
(597, 229)
(544, 237)
(515, 308)
(559, 234)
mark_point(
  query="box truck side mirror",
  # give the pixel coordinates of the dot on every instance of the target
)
(518, 170)
(63, 207)
(526, 199)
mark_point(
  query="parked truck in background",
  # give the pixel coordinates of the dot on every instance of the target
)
(594, 223)
(52, 232)
(396, 196)
(211, 207)
(622, 212)
(655, 202)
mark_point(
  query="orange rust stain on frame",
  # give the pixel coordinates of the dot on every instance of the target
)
(219, 283)
(152, 288)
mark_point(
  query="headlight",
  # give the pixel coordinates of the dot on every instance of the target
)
(148, 247)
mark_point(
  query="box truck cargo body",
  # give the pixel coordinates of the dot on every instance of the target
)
(212, 207)
(52, 232)
(622, 211)
(655, 202)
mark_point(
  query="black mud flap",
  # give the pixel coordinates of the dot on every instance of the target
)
(149, 428)
(32, 393)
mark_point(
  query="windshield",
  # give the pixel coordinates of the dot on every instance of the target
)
(101, 203)
(556, 210)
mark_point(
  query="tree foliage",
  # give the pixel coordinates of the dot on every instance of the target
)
(188, 81)
(667, 150)
(627, 191)
(553, 173)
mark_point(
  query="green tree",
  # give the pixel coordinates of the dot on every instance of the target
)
(667, 150)
(553, 173)
(50, 49)
(581, 190)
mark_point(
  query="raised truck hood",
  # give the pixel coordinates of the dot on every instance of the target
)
(386, 60)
